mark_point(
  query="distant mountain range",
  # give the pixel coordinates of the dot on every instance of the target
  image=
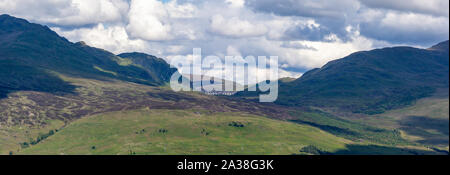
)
(31, 55)
(371, 81)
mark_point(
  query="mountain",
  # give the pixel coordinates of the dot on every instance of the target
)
(441, 47)
(158, 69)
(32, 56)
(371, 81)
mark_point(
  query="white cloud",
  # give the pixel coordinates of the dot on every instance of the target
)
(175, 49)
(112, 38)
(296, 45)
(91, 12)
(236, 27)
(154, 20)
(327, 51)
(176, 10)
(232, 51)
(314, 54)
(148, 20)
(236, 3)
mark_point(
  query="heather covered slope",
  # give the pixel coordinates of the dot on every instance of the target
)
(371, 81)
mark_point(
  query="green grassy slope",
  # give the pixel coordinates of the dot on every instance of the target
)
(426, 122)
(13, 137)
(179, 132)
(184, 132)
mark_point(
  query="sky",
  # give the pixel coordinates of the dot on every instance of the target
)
(304, 34)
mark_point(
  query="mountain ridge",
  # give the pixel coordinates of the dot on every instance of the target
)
(370, 81)
(31, 56)
(380, 74)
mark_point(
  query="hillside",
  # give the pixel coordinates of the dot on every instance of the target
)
(157, 68)
(371, 82)
(192, 132)
(425, 122)
(184, 132)
(31, 54)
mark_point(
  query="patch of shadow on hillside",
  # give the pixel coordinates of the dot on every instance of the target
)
(331, 129)
(418, 126)
(15, 78)
(381, 150)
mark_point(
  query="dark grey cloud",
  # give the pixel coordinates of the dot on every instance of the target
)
(414, 22)
(332, 15)
(305, 8)
(407, 29)
(433, 7)
(307, 33)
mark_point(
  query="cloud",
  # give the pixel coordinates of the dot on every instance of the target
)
(304, 34)
(296, 45)
(112, 38)
(332, 15)
(409, 28)
(154, 20)
(309, 32)
(236, 27)
(315, 54)
(148, 19)
(67, 12)
(305, 8)
(399, 22)
(433, 7)
(236, 3)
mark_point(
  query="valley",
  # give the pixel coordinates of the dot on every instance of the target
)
(114, 117)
